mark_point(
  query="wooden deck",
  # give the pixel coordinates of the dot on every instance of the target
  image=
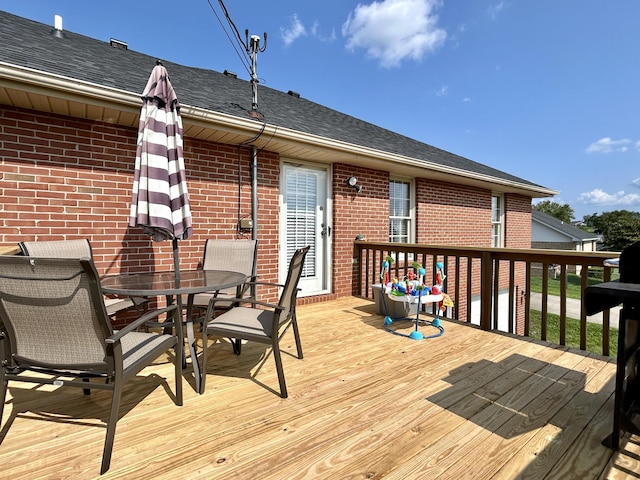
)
(363, 404)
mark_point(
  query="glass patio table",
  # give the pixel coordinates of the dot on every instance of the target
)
(189, 282)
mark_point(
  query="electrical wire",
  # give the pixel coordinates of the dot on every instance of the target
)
(228, 17)
(243, 59)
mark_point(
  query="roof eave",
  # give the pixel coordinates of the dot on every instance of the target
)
(123, 107)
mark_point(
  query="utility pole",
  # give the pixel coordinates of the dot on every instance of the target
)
(253, 47)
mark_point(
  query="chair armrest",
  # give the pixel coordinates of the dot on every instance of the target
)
(266, 284)
(249, 300)
(139, 322)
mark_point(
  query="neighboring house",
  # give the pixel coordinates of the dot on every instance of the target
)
(549, 232)
(69, 110)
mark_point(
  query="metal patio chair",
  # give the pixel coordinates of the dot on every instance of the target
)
(234, 255)
(55, 330)
(253, 320)
(80, 248)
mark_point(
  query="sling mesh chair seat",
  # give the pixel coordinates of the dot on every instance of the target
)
(253, 320)
(54, 329)
(80, 248)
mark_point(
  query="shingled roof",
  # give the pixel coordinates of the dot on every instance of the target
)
(567, 229)
(37, 46)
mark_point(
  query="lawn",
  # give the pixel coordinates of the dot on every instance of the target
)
(574, 287)
(594, 330)
(594, 333)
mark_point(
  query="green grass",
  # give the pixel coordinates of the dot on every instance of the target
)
(574, 287)
(594, 330)
(594, 333)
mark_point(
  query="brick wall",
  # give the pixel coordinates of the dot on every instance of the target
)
(62, 178)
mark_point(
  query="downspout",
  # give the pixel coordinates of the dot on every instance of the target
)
(254, 191)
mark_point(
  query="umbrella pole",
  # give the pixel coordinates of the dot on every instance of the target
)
(176, 261)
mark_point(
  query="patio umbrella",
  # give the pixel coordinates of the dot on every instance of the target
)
(160, 200)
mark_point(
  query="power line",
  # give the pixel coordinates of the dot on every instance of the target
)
(243, 59)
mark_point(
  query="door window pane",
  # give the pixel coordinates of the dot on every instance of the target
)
(300, 198)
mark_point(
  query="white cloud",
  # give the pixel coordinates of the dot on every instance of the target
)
(442, 91)
(466, 100)
(297, 29)
(607, 145)
(600, 197)
(392, 31)
(636, 182)
(294, 31)
(638, 145)
(496, 8)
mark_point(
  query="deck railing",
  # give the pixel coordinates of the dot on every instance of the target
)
(490, 286)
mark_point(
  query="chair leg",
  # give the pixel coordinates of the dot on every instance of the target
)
(205, 347)
(296, 334)
(111, 427)
(86, 391)
(178, 365)
(3, 390)
(280, 370)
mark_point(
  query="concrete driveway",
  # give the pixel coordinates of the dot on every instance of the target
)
(573, 309)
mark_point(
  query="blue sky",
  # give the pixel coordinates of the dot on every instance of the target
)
(547, 90)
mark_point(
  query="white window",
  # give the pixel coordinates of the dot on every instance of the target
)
(400, 211)
(497, 220)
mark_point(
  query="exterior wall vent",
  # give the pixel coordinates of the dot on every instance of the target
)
(231, 74)
(293, 94)
(118, 44)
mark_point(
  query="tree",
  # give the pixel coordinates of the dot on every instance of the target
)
(561, 212)
(619, 228)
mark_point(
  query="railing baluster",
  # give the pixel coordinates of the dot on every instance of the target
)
(545, 292)
(496, 294)
(563, 305)
(511, 296)
(584, 281)
(527, 299)
(469, 287)
(606, 316)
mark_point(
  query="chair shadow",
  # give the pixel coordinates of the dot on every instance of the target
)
(64, 404)
(253, 356)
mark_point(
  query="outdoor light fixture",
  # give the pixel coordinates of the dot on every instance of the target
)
(353, 182)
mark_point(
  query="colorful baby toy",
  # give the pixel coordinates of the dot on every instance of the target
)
(413, 289)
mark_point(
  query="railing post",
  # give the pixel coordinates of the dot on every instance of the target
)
(486, 284)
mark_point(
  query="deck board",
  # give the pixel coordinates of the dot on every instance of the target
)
(363, 403)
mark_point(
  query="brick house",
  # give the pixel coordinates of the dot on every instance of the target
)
(69, 109)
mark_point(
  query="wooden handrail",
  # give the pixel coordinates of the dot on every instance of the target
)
(482, 274)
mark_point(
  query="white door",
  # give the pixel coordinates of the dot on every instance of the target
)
(305, 220)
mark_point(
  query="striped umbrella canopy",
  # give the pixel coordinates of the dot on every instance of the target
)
(160, 200)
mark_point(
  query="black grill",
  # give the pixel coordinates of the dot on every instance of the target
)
(625, 291)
